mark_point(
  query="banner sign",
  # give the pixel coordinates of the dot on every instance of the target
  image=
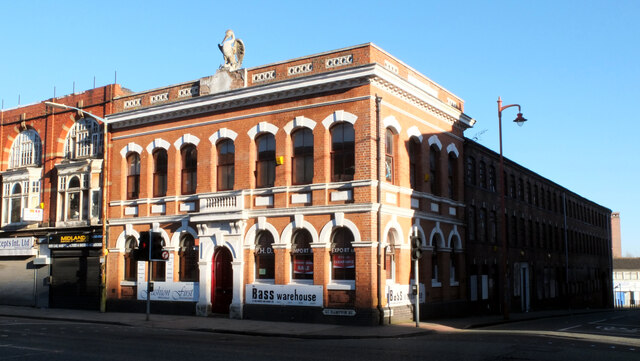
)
(170, 291)
(401, 295)
(73, 240)
(21, 246)
(286, 295)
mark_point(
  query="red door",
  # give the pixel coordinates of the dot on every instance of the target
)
(221, 281)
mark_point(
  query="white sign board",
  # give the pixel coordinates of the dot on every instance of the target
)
(170, 291)
(289, 295)
(20, 246)
(400, 295)
(32, 214)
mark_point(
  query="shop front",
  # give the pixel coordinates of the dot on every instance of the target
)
(22, 278)
(75, 271)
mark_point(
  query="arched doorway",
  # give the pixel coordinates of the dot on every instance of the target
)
(221, 281)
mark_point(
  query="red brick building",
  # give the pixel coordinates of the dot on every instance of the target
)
(51, 217)
(558, 243)
(290, 191)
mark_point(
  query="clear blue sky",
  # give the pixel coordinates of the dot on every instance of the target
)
(572, 65)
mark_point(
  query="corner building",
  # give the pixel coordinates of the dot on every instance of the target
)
(289, 191)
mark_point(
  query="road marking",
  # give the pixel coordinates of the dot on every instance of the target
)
(569, 328)
(591, 323)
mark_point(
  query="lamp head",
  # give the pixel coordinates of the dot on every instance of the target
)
(520, 120)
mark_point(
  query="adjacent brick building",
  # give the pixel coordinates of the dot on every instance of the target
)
(558, 243)
(51, 219)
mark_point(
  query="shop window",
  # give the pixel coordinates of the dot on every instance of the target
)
(188, 255)
(389, 147)
(189, 155)
(342, 152)
(133, 176)
(160, 161)
(26, 150)
(452, 176)
(343, 256)
(302, 165)
(226, 164)
(84, 140)
(264, 257)
(266, 163)
(434, 166)
(130, 263)
(302, 256)
(414, 163)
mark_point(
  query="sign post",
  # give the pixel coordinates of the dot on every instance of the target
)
(149, 277)
(416, 254)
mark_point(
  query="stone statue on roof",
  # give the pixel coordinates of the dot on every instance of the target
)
(232, 51)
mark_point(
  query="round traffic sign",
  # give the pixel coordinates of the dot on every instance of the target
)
(165, 255)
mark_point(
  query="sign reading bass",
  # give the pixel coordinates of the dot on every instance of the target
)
(288, 295)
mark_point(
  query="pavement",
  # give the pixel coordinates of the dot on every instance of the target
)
(276, 329)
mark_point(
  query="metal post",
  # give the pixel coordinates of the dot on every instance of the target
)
(417, 278)
(149, 278)
(503, 228)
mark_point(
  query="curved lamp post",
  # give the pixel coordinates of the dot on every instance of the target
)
(103, 263)
(504, 269)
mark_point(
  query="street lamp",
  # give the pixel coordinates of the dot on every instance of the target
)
(103, 262)
(503, 277)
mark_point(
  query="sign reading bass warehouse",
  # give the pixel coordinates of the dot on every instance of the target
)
(287, 295)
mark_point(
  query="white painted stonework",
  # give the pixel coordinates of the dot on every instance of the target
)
(158, 208)
(187, 206)
(301, 198)
(131, 211)
(435, 207)
(341, 196)
(264, 201)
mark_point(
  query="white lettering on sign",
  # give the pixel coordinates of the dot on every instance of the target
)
(338, 312)
(289, 295)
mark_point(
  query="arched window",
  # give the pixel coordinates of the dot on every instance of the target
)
(342, 152)
(130, 263)
(414, 163)
(226, 164)
(302, 256)
(16, 203)
(188, 255)
(83, 140)
(159, 270)
(435, 275)
(189, 169)
(133, 176)
(434, 166)
(452, 176)
(302, 168)
(160, 161)
(26, 150)
(389, 258)
(266, 163)
(389, 147)
(264, 256)
(74, 199)
(453, 276)
(343, 256)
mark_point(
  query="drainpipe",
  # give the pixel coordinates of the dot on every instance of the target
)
(379, 201)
